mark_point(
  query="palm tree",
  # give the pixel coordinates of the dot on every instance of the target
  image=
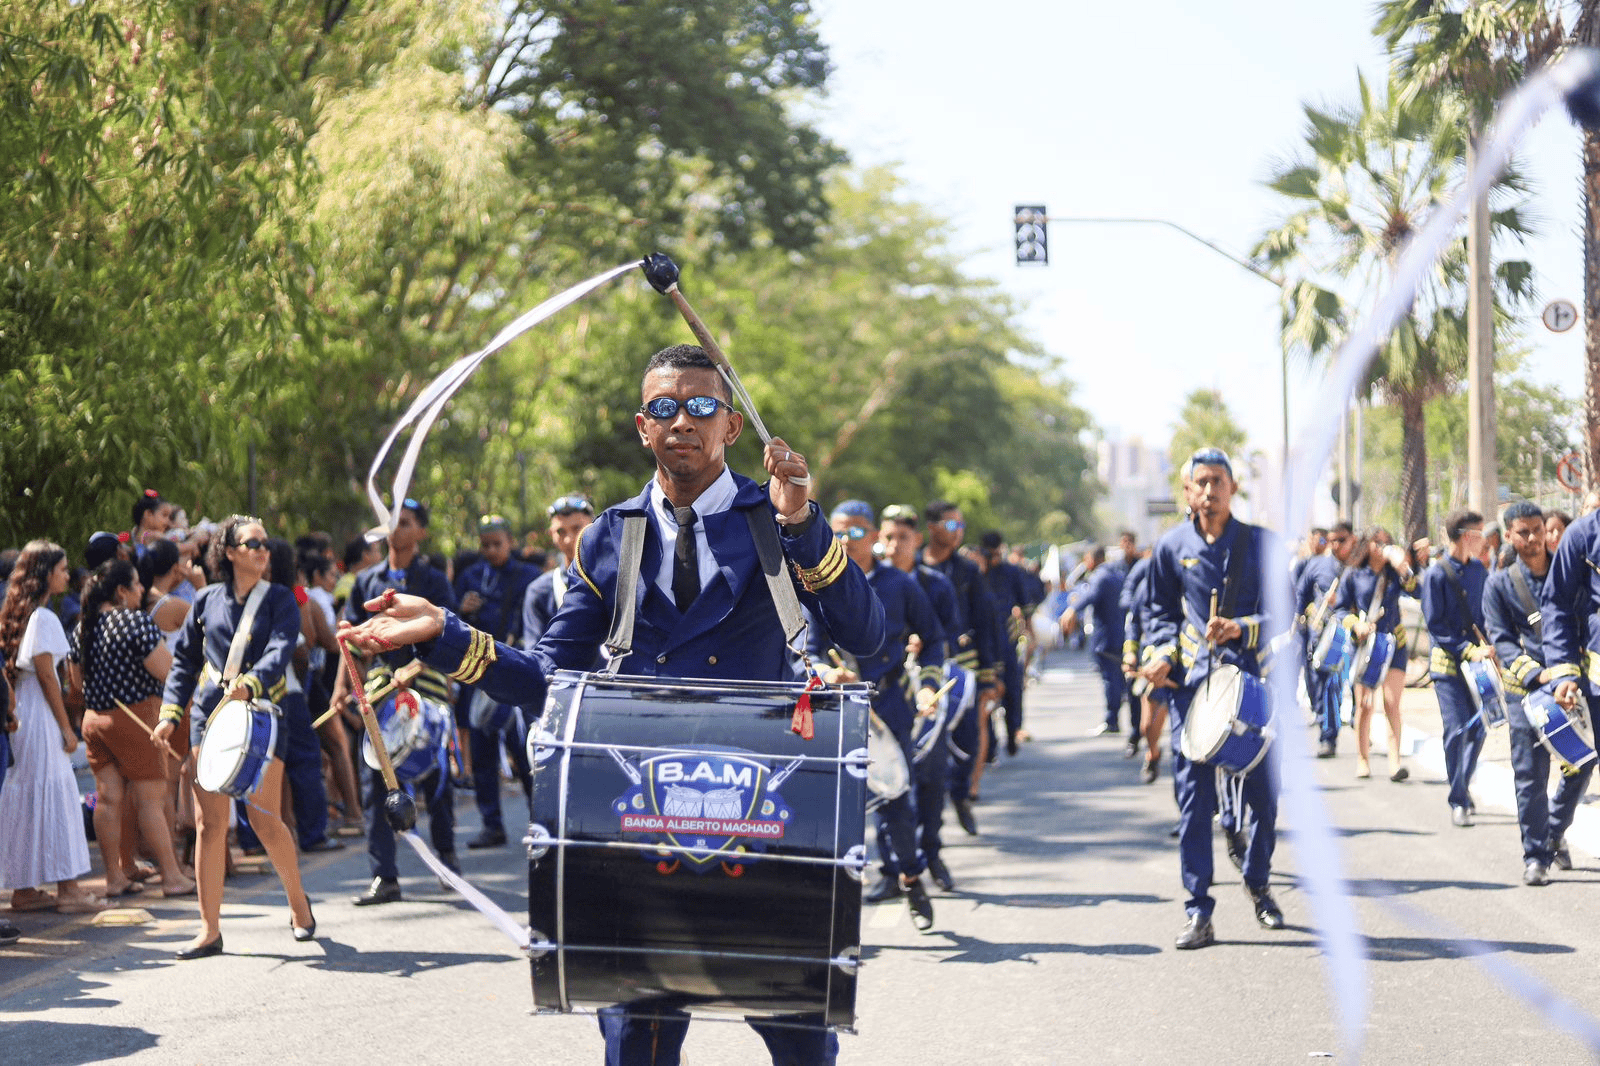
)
(1362, 184)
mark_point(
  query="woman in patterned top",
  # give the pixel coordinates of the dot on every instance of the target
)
(118, 656)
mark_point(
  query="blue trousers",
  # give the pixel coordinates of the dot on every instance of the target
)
(485, 747)
(657, 1041)
(964, 750)
(897, 822)
(928, 784)
(1196, 787)
(1116, 690)
(302, 765)
(1542, 817)
(1327, 693)
(439, 797)
(1464, 735)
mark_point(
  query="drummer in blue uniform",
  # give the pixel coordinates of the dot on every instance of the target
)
(490, 593)
(1316, 590)
(1452, 607)
(1514, 617)
(569, 515)
(1212, 554)
(1152, 701)
(706, 610)
(1009, 588)
(901, 537)
(975, 646)
(405, 570)
(1368, 606)
(1098, 595)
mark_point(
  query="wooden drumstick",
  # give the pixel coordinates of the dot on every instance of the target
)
(144, 726)
(402, 678)
(1212, 618)
(369, 719)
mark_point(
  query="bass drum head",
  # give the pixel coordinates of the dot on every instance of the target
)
(223, 748)
(1211, 714)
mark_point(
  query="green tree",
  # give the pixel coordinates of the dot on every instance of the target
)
(1204, 421)
(1360, 187)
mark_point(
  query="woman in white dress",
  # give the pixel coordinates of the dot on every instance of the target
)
(42, 840)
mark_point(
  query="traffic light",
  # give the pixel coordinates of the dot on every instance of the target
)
(1033, 244)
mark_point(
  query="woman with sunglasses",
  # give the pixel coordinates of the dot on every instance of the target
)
(240, 559)
(1368, 604)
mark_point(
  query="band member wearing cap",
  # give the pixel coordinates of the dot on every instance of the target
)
(1152, 701)
(706, 610)
(1099, 594)
(1008, 587)
(1212, 553)
(1316, 592)
(1514, 616)
(569, 517)
(975, 645)
(491, 592)
(239, 558)
(1452, 607)
(930, 770)
(405, 570)
(1369, 605)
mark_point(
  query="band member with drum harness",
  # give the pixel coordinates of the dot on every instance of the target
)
(1316, 591)
(901, 537)
(1452, 607)
(1009, 588)
(232, 652)
(706, 610)
(1099, 595)
(404, 570)
(1152, 701)
(1514, 614)
(1369, 608)
(491, 592)
(569, 517)
(1206, 610)
(975, 646)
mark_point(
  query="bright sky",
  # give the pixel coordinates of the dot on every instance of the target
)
(1170, 110)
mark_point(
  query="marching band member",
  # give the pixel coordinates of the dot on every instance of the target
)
(1369, 602)
(901, 538)
(1099, 594)
(1009, 589)
(569, 517)
(1513, 614)
(1316, 588)
(1452, 607)
(405, 569)
(1213, 552)
(706, 610)
(239, 559)
(491, 592)
(976, 645)
(906, 611)
(1152, 701)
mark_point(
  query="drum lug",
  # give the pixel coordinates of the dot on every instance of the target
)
(849, 963)
(539, 945)
(541, 745)
(855, 861)
(536, 841)
(855, 763)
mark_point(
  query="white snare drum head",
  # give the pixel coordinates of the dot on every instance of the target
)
(223, 745)
(1211, 714)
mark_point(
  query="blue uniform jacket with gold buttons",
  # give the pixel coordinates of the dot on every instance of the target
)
(203, 642)
(731, 630)
(1510, 626)
(1571, 600)
(1101, 593)
(1451, 622)
(1184, 570)
(1356, 589)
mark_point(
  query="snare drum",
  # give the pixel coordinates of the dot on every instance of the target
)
(1229, 723)
(1373, 659)
(928, 732)
(688, 851)
(487, 716)
(237, 745)
(415, 731)
(1568, 737)
(1334, 650)
(1483, 685)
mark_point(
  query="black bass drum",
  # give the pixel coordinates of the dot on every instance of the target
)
(689, 852)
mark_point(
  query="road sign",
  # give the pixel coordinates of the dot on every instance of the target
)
(1569, 472)
(1559, 316)
(1032, 242)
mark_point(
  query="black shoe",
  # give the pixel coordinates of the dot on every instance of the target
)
(921, 906)
(969, 824)
(1133, 747)
(1237, 845)
(325, 844)
(9, 934)
(887, 888)
(303, 934)
(1151, 771)
(1400, 774)
(1460, 817)
(488, 838)
(1011, 745)
(382, 890)
(1563, 857)
(1535, 873)
(1197, 934)
(1268, 916)
(204, 951)
(1325, 750)
(941, 874)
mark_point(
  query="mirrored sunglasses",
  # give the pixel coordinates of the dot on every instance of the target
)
(698, 406)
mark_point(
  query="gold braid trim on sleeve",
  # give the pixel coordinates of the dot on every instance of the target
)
(825, 573)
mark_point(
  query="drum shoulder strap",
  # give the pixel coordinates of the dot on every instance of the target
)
(1243, 540)
(1519, 581)
(764, 531)
(620, 641)
(241, 635)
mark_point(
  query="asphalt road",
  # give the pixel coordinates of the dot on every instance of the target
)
(1055, 948)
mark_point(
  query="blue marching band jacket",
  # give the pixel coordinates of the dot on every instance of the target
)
(1572, 596)
(203, 643)
(1101, 594)
(975, 641)
(1514, 631)
(1452, 623)
(731, 630)
(1357, 590)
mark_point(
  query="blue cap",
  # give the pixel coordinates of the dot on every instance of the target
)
(853, 509)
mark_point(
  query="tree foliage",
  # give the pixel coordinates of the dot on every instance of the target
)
(1204, 421)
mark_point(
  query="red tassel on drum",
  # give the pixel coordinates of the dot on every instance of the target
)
(803, 723)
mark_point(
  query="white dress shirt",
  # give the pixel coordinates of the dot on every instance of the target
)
(716, 499)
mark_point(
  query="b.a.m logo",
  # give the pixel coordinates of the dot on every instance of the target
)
(705, 805)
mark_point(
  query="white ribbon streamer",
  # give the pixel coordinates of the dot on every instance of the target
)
(485, 906)
(426, 407)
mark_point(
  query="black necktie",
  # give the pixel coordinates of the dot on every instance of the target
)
(685, 561)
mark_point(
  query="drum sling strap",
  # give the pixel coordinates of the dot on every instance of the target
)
(619, 643)
(1519, 581)
(241, 641)
(1469, 626)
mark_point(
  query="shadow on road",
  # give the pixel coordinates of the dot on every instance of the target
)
(73, 1043)
(1055, 900)
(1377, 889)
(342, 958)
(1423, 949)
(971, 949)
